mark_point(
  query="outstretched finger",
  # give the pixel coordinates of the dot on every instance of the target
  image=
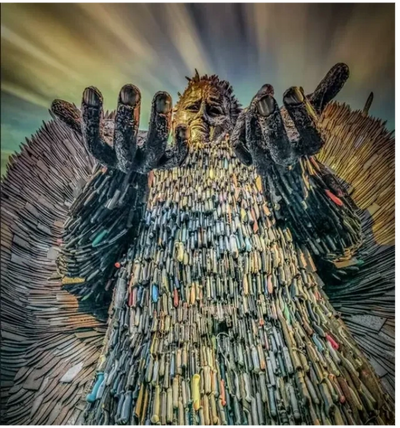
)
(159, 127)
(238, 140)
(305, 120)
(265, 130)
(68, 113)
(126, 126)
(329, 87)
(92, 112)
(266, 89)
(182, 135)
(175, 156)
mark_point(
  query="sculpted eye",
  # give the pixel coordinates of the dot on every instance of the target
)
(214, 111)
(193, 107)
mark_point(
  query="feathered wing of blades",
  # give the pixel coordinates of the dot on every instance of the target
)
(50, 342)
(361, 151)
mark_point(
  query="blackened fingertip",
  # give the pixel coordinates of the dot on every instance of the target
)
(64, 109)
(92, 97)
(266, 89)
(129, 95)
(266, 105)
(342, 69)
(294, 96)
(55, 105)
(163, 103)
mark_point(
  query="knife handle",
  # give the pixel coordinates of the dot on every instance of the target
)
(196, 391)
(91, 398)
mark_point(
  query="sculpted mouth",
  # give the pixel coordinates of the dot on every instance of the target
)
(199, 130)
(199, 127)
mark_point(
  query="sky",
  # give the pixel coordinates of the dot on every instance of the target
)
(53, 51)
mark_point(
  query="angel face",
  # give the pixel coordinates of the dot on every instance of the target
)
(207, 108)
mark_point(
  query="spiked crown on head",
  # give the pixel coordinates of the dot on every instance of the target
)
(224, 86)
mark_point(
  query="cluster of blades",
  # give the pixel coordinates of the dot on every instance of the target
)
(218, 317)
(50, 345)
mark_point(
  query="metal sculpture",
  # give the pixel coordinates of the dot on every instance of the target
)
(218, 314)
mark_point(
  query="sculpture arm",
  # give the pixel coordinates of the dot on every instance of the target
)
(281, 143)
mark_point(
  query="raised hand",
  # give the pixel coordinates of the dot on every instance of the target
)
(280, 143)
(128, 152)
(108, 211)
(265, 133)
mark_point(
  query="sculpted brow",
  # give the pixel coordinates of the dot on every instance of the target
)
(214, 100)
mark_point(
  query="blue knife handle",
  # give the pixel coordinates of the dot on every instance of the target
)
(91, 398)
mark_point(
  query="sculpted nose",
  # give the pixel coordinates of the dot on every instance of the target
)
(202, 113)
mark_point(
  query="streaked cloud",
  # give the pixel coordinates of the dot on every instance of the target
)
(56, 50)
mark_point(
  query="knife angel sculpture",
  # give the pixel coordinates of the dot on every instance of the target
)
(148, 283)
